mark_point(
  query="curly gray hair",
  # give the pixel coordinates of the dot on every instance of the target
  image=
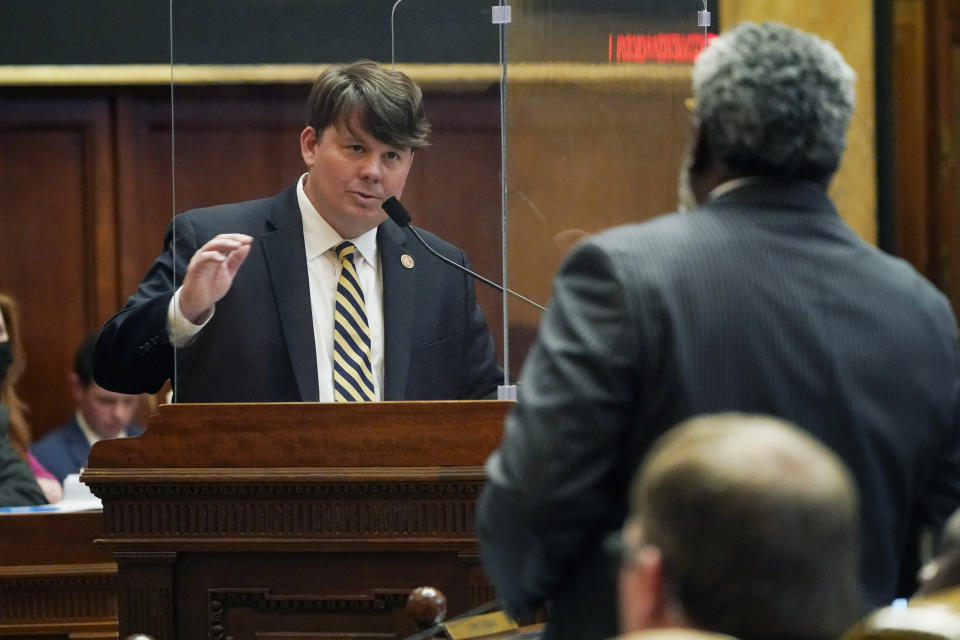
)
(773, 100)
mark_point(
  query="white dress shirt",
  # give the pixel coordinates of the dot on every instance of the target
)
(92, 436)
(323, 272)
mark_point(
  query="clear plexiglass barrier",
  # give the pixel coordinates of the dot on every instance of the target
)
(549, 121)
(596, 129)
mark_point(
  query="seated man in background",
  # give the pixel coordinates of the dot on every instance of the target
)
(743, 525)
(100, 415)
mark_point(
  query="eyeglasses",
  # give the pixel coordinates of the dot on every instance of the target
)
(622, 552)
(617, 549)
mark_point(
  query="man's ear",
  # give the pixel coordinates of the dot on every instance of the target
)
(705, 171)
(76, 387)
(700, 155)
(308, 144)
(642, 592)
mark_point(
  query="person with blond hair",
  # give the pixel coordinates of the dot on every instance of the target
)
(744, 525)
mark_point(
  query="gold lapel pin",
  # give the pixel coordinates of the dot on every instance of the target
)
(407, 260)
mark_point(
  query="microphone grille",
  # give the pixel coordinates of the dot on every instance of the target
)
(396, 211)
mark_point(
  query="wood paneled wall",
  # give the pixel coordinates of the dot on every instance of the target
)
(85, 186)
(926, 109)
(58, 242)
(583, 157)
(912, 195)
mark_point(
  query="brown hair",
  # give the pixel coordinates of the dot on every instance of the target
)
(758, 526)
(385, 102)
(19, 427)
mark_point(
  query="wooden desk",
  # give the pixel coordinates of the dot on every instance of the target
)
(294, 520)
(53, 582)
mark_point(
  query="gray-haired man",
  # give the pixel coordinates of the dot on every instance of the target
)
(760, 299)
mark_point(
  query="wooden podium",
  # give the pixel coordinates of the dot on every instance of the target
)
(54, 583)
(282, 521)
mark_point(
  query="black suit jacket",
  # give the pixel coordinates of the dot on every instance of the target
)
(259, 346)
(762, 301)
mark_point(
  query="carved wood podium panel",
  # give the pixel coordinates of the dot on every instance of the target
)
(299, 520)
(54, 583)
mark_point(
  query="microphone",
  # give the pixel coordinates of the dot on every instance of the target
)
(398, 213)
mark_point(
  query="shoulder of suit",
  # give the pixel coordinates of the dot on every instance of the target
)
(59, 434)
(241, 217)
(668, 228)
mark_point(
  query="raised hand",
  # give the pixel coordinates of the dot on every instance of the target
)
(210, 273)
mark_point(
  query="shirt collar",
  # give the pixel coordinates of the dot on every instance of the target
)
(88, 433)
(319, 237)
(92, 436)
(732, 185)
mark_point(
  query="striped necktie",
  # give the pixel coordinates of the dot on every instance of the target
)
(352, 375)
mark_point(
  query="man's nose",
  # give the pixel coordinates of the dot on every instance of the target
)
(371, 169)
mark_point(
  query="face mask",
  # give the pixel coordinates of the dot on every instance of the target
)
(6, 359)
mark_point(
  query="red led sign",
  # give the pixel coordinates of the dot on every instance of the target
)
(656, 47)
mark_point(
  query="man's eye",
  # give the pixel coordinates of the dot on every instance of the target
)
(391, 155)
(356, 148)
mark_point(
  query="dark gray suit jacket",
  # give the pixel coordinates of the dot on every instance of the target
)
(259, 345)
(761, 301)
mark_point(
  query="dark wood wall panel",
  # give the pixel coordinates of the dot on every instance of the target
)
(454, 187)
(85, 182)
(57, 252)
(912, 193)
(226, 151)
(927, 179)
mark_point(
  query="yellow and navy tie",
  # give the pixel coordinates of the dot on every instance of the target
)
(352, 375)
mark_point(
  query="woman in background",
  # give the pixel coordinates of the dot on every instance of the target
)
(21, 476)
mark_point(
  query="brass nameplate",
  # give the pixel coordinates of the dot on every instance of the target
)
(487, 624)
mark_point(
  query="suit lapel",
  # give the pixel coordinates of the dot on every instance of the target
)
(399, 285)
(78, 448)
(287, 264)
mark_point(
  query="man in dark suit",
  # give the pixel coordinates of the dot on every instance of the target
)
(100, 415)
(253, 317)
(760, 299)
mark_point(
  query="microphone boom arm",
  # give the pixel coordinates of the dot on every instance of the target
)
(476, 275)
(398, 213)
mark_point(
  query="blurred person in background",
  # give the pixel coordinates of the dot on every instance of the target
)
(100, 415)
(23, 480)
(741, 524)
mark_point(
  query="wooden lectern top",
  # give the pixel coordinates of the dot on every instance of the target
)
(313, 435)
